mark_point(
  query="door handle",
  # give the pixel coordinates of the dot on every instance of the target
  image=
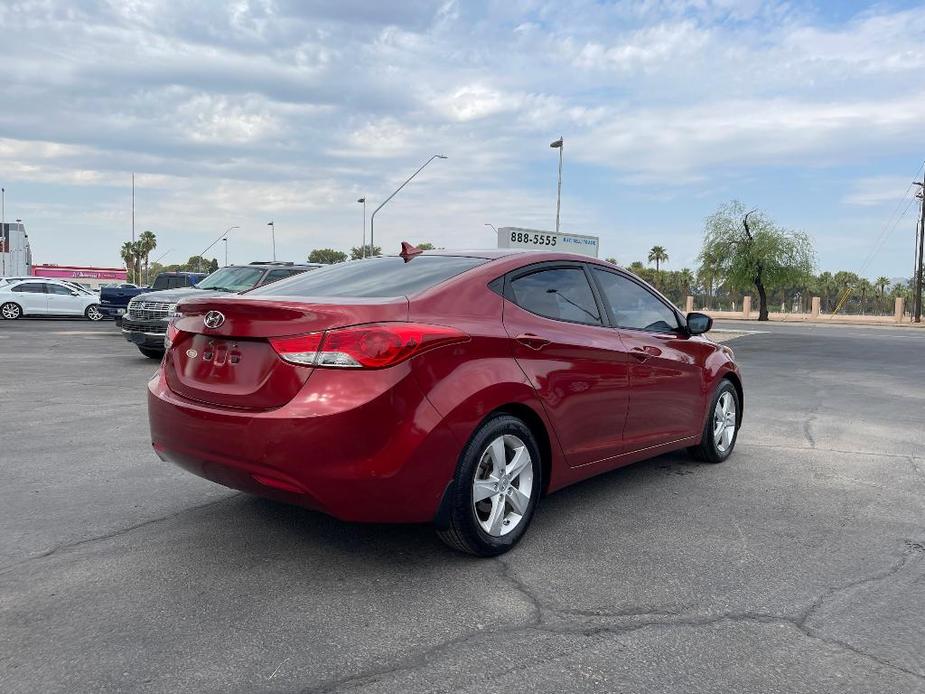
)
(643, 353)
(532, 341)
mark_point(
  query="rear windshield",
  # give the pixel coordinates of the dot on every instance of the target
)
(375, 277)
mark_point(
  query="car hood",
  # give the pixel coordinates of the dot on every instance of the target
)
(172, 296)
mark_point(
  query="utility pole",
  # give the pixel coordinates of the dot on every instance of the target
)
(920, 243)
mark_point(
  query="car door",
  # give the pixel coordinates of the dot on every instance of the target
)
(577, 366)
(62, 302)
(32, 298)
(666, 372)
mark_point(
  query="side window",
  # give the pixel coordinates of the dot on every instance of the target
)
(560, 294)
(275, 276)
(30, 288)
(633, 305)
(57, 289)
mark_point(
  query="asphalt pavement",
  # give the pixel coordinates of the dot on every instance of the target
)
(796, 566)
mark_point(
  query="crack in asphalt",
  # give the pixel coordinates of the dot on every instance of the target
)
(656, 618)
(68, 546)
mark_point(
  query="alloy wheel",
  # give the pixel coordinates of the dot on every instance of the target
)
(724, 421)
(503, 485)
(10, 311)
(93, 313)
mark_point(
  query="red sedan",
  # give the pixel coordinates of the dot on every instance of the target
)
(452, 387)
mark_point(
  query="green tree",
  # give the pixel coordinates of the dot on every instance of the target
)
(752, 251)
(881, 284)
(357, 252)
(426, 246)
(147, 242)
(327, 256)
(612, 261)
(213, 265)
(658, 255)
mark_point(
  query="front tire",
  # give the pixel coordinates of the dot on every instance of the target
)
(152, 353)
(93, 313)
(495, 490)
(10, 311)
(722, 427)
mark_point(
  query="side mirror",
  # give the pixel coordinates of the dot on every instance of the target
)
(698, 323)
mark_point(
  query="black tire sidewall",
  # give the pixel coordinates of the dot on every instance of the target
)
(151, 353)
(11, 303)
(463, 517)
(714, 453)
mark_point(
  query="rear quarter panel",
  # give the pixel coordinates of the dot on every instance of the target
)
(466, 382)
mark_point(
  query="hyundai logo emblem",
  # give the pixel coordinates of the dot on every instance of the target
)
(213, 319)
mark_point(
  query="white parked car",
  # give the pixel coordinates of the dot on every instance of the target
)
(45, 297)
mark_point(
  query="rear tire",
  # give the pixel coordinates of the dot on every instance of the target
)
(93, 313)
(10, 311)
(152, 353)
(495, 489)
(722, 426)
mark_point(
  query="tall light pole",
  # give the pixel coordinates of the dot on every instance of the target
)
(560, 145)
(272, 226)
(226, 251)
(3, 234)
(372, 219)
(224, 235)
(363, 247)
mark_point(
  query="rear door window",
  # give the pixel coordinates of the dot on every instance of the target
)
(376, 277)
(58, 289)
(30, 288)
(558, 293)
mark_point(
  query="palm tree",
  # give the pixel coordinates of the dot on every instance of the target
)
(128, 256)
(147, 242)
(658, 255)
(881, 284)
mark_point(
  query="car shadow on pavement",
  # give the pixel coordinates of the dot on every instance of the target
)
(276, 525)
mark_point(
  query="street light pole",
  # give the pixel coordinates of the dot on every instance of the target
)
(226, 251)
(363, 247)
(560, 145)
(224, 235)
(3, 234)
(272, 226)
(372, 219)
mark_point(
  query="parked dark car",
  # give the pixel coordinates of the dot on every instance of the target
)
(452, 387)
(114, 300)
(145, 321)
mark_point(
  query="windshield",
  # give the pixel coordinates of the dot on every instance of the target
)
(232, 279)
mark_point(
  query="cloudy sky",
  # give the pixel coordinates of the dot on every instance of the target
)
(236, 113)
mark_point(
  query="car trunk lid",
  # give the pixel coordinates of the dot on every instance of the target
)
(229, 361)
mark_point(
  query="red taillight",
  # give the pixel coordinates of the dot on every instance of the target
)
(372, 346)
(172, 334)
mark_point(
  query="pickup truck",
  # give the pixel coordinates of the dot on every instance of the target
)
(145, 321)
(114, 300)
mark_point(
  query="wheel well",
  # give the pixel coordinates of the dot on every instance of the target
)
(529, 417)
(737, 384)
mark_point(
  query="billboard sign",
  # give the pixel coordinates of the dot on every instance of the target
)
(536, 240)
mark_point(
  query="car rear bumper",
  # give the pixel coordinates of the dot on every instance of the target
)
(376, 451)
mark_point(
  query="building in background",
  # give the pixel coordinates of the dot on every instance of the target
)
(15, 254)
(90, 276)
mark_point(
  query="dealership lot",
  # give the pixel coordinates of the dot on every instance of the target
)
(798, 565)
